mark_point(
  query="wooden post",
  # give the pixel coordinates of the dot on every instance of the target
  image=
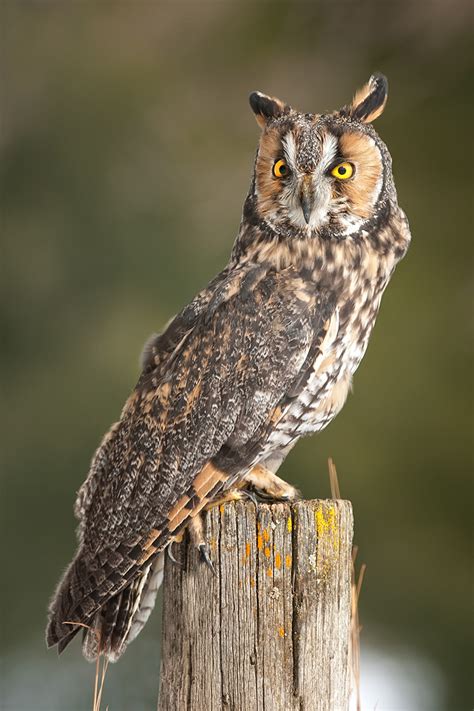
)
(271, 629)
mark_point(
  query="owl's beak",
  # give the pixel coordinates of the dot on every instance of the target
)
(306, 198)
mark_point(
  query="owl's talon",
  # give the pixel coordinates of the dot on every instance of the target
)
(250, 495)
(205, 558)
(170, 555)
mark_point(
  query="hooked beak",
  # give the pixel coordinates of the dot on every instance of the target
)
(306, 198)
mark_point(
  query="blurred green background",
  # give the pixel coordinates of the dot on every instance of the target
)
(127, 146)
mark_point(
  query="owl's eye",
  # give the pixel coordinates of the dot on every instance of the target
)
(280, 168)
(343, 171)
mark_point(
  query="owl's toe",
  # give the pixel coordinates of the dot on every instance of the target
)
(269, 486)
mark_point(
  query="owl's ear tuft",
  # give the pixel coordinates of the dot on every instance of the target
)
(266, 107)
(369, 102)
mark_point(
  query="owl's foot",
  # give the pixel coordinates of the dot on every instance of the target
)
(264, 485)
(269, 486)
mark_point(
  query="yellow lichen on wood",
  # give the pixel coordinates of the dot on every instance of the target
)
(289, 525)
(327, 526)
(327, 532)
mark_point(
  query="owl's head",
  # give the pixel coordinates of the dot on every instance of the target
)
(321, 174)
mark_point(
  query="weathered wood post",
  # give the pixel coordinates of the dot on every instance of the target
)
(271, 629)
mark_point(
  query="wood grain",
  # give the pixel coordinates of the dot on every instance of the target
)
(270, 630)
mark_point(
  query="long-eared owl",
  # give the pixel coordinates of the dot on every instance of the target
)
(261, 356)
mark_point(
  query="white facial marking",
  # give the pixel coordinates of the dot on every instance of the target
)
(289, 148)
(329, 151)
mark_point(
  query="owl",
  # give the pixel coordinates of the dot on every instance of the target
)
(262, 356)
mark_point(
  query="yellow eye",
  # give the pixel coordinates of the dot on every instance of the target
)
(343, 171)
(280, 169)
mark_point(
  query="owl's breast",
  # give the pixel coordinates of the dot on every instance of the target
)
(329, 379)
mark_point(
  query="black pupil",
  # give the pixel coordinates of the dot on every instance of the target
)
(282, 168)
(342, 170)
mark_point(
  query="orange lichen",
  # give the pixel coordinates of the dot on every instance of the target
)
(267, 552)
(278, 560)
(289, 525)
(266, 535)
(259, 542)
(270, 572)
(246, 555)
(288, 561)
(281, 631)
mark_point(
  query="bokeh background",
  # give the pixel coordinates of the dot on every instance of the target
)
(127, 146)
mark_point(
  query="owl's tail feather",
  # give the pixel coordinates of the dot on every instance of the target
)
(61, 629)
(115, 624)
(123, 617)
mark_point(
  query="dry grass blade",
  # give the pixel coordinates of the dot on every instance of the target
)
(355, 625)
(100, 670)
(96, 684)
(356, 586)
(76, 624)
(333, 480)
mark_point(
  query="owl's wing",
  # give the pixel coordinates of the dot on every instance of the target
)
(187, 432)
(160, 347)
(155, 357)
